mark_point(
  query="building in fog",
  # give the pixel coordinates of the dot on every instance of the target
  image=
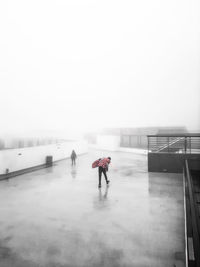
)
(129, 137)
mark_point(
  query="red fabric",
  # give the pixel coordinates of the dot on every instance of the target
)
(104, 163)
(95, 163)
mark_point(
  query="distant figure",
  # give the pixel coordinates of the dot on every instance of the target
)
(73, 157)
(102, 165)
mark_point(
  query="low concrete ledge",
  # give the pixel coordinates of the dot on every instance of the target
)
(121, 149)
(133, 150)
(20, 172)
(16, 160)
(31, 169)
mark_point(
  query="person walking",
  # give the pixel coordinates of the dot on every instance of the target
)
(73, 157)
(103, 168)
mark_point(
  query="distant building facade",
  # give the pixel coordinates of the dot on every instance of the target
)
(133, 137)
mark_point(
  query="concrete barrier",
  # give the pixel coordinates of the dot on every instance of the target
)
(171, 162)
(19, 160)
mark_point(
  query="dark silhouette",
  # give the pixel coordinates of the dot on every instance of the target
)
(73, 157)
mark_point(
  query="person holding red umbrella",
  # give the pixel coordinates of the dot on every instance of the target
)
(102, 165)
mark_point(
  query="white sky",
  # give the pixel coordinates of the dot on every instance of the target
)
(89, 64)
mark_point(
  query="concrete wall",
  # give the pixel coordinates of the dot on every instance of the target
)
(112, 143)
(24, 158)
(108, 142)
(171, 162)
(194, 164)
(134, 141)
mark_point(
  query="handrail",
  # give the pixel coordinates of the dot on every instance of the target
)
(188, 144)
(169, 144)
(185, 216)
(175, 135)
(194, 240)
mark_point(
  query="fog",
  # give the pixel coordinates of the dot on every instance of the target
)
(77, 66)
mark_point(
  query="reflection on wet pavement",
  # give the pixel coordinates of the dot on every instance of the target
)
(58, 216)
(102, 201)
(105, 195)
(73, 171)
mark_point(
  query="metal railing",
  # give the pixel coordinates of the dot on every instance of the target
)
(182, 143)
(192, 221)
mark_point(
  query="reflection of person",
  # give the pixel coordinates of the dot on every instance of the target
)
(103, 197)
(73, 157)
(73, 173)
(103, 168)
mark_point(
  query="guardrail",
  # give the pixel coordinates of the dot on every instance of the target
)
(192, 221)
(182, 143)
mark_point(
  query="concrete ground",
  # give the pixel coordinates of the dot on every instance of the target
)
(58, 217)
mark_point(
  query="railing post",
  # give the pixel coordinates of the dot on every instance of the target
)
(168, 144)
(185, 145)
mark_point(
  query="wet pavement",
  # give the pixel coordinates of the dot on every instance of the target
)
(57, 217)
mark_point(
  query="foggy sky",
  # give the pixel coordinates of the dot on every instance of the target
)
(84, 65)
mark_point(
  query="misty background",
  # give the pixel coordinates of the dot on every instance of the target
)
(77, 66)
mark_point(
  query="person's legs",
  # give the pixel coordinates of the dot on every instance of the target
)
(105, 175)
(100, 173)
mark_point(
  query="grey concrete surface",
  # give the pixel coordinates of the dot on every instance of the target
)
(58, 217)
